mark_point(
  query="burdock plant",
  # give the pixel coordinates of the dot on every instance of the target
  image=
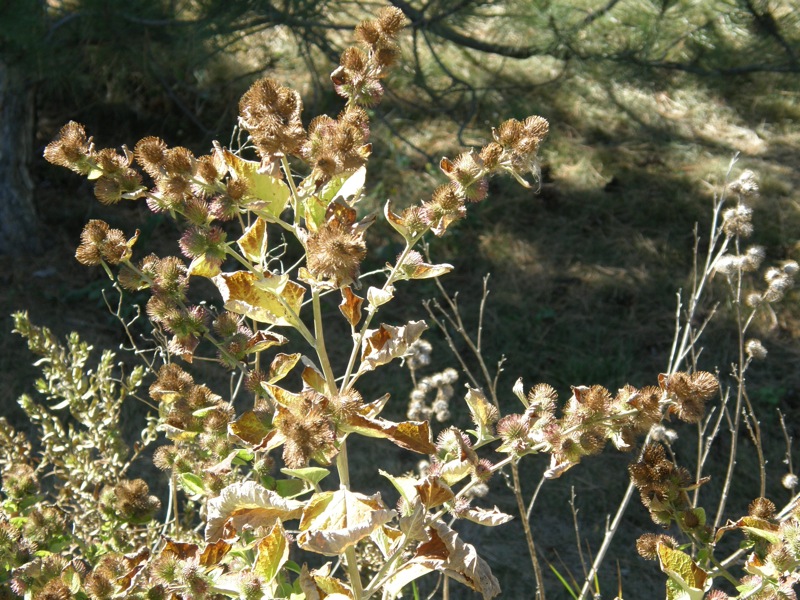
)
(232, 520)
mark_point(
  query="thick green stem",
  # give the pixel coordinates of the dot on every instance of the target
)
(322, 353)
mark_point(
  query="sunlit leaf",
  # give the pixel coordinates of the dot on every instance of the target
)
(272, 552)
(262, 340)
(313, 475)
(754, 525)
(281, 365)
(484, 414)
(334, 521)
(488, 518)
(378, 296)
(396, 221)
(204, 266)
(267, 299)
(312, 377)
(283, 397)
(350, 306)
(433, 492)
(386, 343)
(191, 483)
(688, 578)
(214, 553)
(247, 503)
(271, 193)
(421, 270)
(447, 553)
(253, 242)
(411, 435)
(252, 427)
(351, 189)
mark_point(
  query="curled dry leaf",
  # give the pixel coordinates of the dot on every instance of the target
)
(334, 521)
(411, 435)
(421, 270)
(351, 306)
(386, 343)
(447, 553)
(248, 503)
(488, 518)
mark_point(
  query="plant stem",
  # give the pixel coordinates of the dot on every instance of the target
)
(347, 379)
(319, 333)
(526, 527)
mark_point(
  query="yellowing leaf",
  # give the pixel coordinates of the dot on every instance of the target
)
(411, 435)
(386, 343)
(272, 553)
(252, 427)
(281, 365)
(214, 553)
(271, 193)
(334, 521)
(204, 266)
(484, 414)
(253, 242)
(266, 299)
(687, 577)
(247, 503)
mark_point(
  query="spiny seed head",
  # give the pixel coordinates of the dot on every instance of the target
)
(738, 221)
(647, 544)
(134, 502)
(391, 20)
(690, 393)
(335, 253)
(746, 184)
(271, 113)
(101, 243)
(763, 508)
(179, 161)
(71, 149)
(150, 153)
(491, 155)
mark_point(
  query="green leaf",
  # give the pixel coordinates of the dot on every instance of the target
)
(290, 488)
(191, 483)
(313, 475)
